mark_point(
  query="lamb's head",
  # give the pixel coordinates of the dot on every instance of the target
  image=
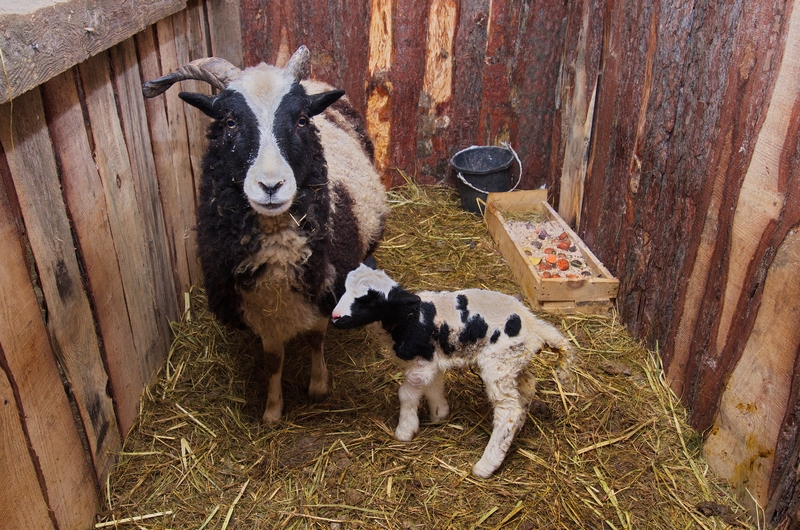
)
(370, 296)
(263, 129)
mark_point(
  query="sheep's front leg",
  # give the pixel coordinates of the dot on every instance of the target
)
(417, 379)
(438, 409)
(273, 358)
(318, 387)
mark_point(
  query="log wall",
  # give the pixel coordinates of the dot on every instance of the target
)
(97, 193)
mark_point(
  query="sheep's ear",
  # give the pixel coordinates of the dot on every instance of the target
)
(202, 101)
(323, 100)
(399, 296)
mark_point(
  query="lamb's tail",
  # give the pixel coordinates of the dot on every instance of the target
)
(555, 339)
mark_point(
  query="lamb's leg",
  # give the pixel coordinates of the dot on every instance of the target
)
(509, 416)
(318, 387)
(438, 408)
(273, 357)
(417, 379)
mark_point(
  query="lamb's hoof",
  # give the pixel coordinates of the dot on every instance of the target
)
(483, 469)
(405, 435)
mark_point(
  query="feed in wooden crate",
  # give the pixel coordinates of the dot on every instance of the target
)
(554, 268)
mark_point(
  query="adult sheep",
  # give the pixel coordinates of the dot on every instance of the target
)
(289, 202)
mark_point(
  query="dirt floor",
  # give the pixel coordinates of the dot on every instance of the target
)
(613, 452)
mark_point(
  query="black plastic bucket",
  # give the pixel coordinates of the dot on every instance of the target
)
(479, 171)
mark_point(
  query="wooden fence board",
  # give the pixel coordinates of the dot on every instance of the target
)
(19, 476)
(171, 170)
(42, 39)
(224, 21)
(33, 169)
(29, 360)
(87, 205)
(125, 219)
(128, 85)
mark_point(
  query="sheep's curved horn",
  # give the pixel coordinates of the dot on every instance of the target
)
(214, 70)
(298, 64)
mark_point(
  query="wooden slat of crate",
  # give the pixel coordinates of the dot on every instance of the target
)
(28, 361)
(32, 165)
(19, 475)
(87, 204)
(587, 295)
(171, 157)
(128, 86)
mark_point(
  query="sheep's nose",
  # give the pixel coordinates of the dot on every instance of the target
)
(270, 189)
(335, 316)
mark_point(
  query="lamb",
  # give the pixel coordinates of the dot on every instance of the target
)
(431, 332)
(289, 203)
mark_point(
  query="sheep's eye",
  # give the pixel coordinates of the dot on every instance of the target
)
(230, 123)
(302, 121)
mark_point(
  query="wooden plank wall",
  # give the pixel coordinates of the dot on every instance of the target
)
(432, 76)
(97, 194)
(688, 191)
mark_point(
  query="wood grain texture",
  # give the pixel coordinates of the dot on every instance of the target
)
(128, 87)
(28, 361)
(40, 42)
(31, 160)
(86, 201)
(125, 220)
(224, 22)
(173, 167)
(19, 475)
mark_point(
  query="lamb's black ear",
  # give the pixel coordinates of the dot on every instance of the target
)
(370, 262)
(399, 296)
(322, 101)
(202, 101)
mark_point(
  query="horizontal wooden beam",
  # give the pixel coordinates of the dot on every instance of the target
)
(39, 40)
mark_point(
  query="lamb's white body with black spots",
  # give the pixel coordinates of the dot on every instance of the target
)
(431, 332)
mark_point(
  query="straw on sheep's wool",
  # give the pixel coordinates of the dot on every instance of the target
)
(614, 452)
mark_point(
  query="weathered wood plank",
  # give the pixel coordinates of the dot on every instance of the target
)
(190, 44)
(28, 359)
(224, 21)
(125, 220)
(128, 86)
(32, 163)
(41, 40)
(87, 205)
(171, 155)
(408, 67)
(378, 90)
(19, 475)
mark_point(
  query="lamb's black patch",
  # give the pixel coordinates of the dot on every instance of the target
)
(461, 306)
(364, 310)
(474, 330)
(513, 325)
(410, 323)
(443, 336)
(495, 336)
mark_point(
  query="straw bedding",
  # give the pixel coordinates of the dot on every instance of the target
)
(612, 452)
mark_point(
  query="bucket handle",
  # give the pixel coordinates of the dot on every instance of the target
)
(519, 179)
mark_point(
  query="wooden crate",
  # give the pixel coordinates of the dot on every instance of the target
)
(591, 295)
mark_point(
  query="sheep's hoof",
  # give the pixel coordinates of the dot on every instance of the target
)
(318, 396)
(404, 435)
(271, 416)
